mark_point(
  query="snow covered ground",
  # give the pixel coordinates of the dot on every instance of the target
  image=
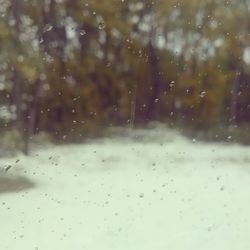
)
(152, 190)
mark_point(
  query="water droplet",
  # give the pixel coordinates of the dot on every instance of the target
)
(47, 28)
(172, 84)
(82, 32)
(76, 98)
(101, 26)
(202, 94)
(141, 195)
(8, 168)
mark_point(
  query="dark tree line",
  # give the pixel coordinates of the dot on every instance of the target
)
(68, 67)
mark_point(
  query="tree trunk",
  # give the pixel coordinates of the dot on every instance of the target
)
(17, 81)
(234, 98)
(17, 99)
(155, 85)
(32, 115)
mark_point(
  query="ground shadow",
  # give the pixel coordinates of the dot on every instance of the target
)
(14, 184)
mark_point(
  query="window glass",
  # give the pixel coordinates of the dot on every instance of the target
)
(124, 124)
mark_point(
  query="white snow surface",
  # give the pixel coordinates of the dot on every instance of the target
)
(147, 190)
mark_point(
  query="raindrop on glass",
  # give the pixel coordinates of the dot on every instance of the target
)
(202, 94)
(101, 26)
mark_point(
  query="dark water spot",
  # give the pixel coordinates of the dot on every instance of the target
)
(15, 184)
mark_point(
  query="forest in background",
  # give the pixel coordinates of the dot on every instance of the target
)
(69, 68)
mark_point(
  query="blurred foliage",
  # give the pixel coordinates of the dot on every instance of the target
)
(70, 68)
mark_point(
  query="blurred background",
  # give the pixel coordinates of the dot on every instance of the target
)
(71, 69)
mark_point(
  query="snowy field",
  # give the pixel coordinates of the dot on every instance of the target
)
(152, 190)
